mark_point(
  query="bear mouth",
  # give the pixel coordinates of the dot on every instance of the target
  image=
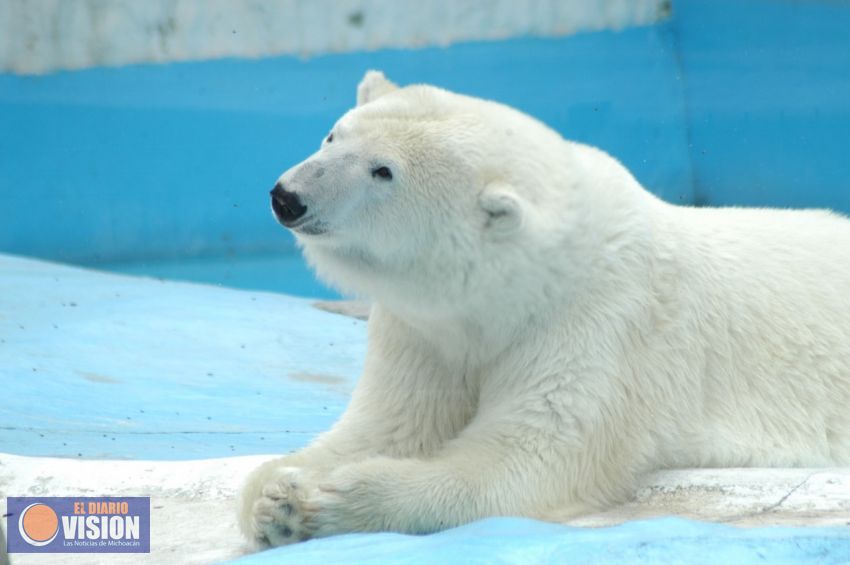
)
(310, 228)
(305, 226)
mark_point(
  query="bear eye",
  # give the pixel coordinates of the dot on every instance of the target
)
(382, 172)
(330, 137)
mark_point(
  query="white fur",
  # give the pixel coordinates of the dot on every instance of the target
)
(544, 329)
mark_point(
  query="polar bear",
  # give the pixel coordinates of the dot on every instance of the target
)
(544, 330)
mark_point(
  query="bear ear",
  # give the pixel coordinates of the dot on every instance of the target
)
(373, 86)
(502, 208)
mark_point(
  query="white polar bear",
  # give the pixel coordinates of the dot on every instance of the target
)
(544, 330)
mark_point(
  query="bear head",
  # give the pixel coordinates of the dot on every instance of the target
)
(420, 196)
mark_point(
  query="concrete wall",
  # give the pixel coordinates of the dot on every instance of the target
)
(38, 36)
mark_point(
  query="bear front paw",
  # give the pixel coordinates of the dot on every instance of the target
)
(275, 507)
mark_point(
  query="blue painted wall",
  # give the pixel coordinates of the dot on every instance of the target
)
(767, 86)
(138, 168)
(176, 160)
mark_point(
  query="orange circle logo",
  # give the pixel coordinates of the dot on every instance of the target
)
(38, 524)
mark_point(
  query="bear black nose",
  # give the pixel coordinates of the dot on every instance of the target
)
(286, 205)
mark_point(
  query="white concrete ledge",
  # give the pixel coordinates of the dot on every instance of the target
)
(193, 502)
(740, 497)
(38, 36)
